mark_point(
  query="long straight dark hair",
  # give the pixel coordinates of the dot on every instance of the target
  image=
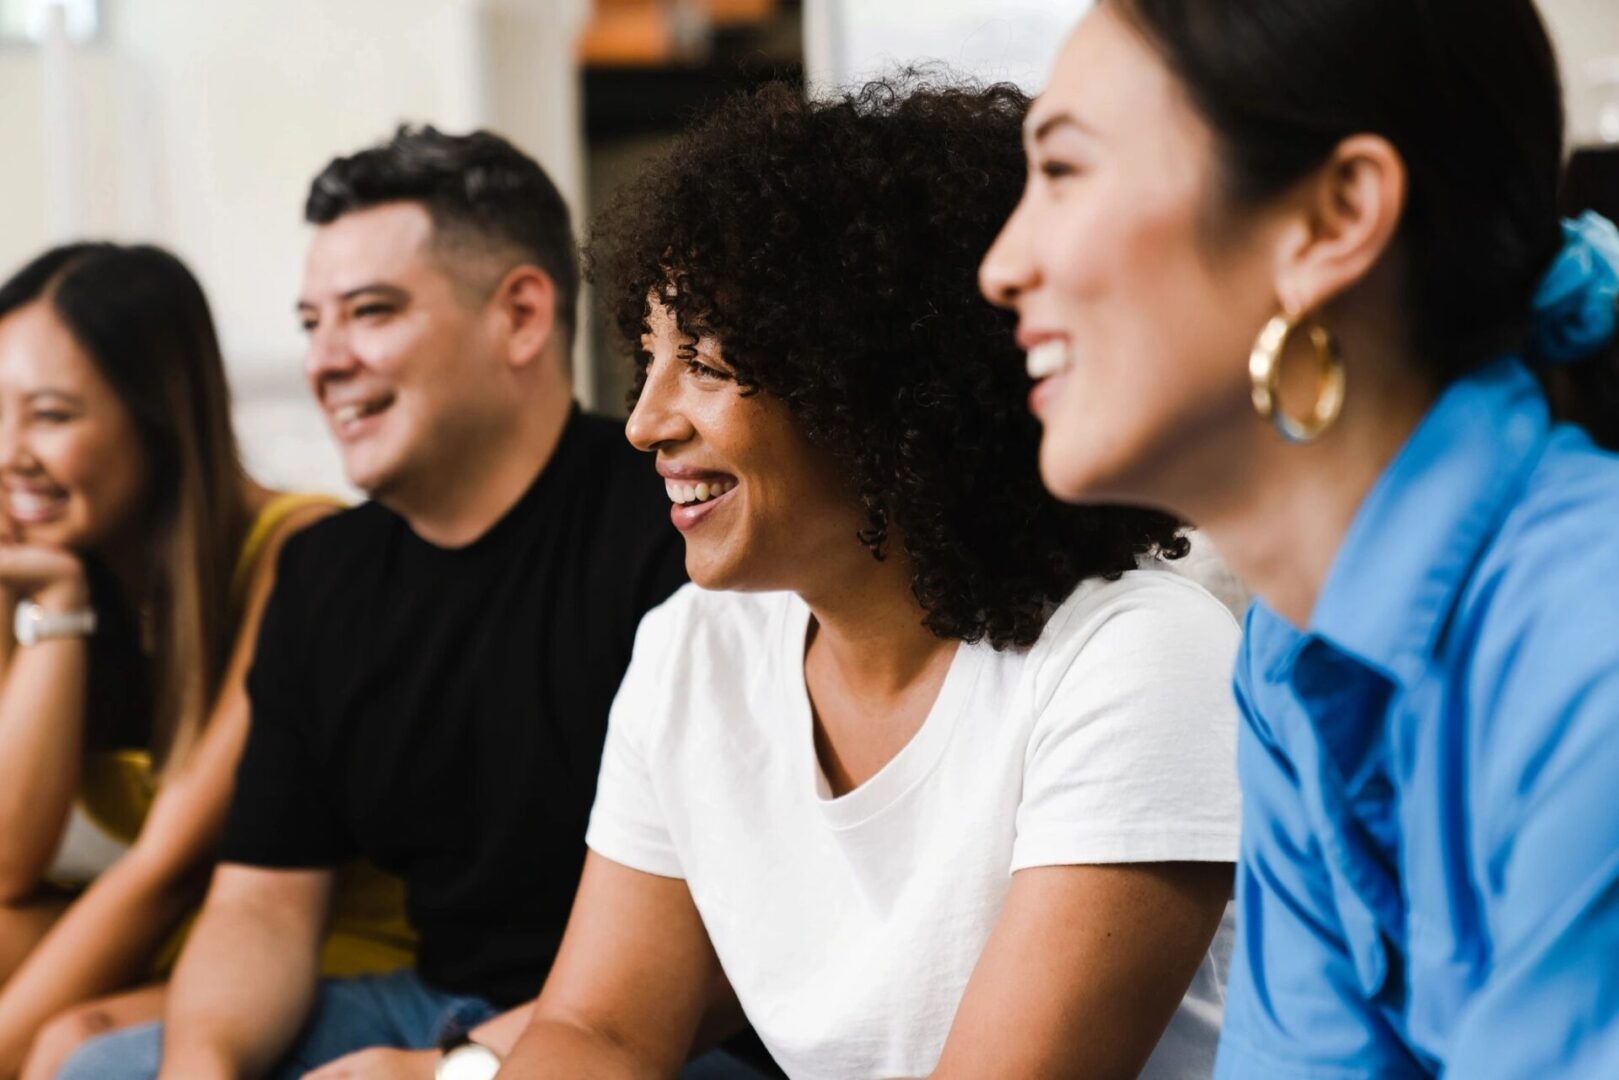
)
(142, 318)
(1467, 93)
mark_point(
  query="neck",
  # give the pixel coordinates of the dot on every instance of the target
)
(454, 512)
(1280, 519)
(868, 627)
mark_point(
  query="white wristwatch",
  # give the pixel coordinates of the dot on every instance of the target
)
(34, 624)
(466, 1060)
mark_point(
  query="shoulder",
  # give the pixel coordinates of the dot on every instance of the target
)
(334, 546)
(1147, 613)
(1550, 579)
(1150, 652)
(1538, 625)
(699, 625)
(279, 521)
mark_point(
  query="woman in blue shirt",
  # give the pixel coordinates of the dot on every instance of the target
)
(1429, 878)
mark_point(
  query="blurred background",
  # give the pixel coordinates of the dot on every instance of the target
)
(197, 124)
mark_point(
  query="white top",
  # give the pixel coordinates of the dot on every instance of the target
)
(849, 926)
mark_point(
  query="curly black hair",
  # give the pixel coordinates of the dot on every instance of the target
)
(831, 248)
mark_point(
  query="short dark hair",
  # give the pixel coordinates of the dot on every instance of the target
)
(476, 187)
(831, 247)
(1467, 93)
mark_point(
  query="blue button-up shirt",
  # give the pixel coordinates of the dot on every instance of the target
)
(1429, 877)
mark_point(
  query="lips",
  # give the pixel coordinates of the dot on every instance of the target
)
(30, 507)
(348, 416)
(687, 516)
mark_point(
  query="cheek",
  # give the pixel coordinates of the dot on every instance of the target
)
(106, 476)
(1159, 353)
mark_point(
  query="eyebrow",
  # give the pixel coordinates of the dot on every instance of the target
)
(1051, 123)
(392, 292)
(67, 396)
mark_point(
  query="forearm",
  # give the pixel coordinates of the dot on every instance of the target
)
(104, 942)
(553, 1048)
(242, 989)
(41, 740)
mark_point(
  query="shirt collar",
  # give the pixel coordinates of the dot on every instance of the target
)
(1419, 534)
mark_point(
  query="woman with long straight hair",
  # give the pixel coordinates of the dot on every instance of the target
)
(1294, 270)
(136, 558)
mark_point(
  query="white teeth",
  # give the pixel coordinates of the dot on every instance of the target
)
(27, 506)
(347, 414)
(1048, 358)
(695, 493)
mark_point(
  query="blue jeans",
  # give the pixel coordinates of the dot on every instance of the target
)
(397, 1010)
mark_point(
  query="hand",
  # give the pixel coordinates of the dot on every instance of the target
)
(56, 1041)
(53, 577)
(379, 1063)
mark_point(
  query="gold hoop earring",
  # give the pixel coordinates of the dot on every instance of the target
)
(1265, 376)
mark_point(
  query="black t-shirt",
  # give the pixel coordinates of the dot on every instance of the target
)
(442, 712)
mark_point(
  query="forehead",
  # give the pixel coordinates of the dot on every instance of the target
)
(1106, 76)
(385, 243)
(38, 352)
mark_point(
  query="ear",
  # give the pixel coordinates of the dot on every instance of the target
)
(526, 301)
(1348, 213)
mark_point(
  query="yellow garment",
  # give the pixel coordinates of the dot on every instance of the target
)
(369, 931)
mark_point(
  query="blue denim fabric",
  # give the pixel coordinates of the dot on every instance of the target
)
(397, 1010)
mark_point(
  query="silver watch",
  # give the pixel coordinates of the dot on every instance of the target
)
(467, 1060)
(34, 624)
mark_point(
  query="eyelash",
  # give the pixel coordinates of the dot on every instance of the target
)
(52, 416)
(1057, 170)
(702, 370)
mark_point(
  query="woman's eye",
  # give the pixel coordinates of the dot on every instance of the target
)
(1057, 170)
(703, 371)
(52, 416)
(372, 311)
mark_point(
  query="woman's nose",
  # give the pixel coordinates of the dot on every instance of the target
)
(1007, 271)
(657, 419)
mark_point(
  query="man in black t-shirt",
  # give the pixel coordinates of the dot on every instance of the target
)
(435, 667)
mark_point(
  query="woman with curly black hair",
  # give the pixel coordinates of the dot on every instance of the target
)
(934, 772)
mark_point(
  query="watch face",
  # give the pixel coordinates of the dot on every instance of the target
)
(25, 622)
(469, 1061)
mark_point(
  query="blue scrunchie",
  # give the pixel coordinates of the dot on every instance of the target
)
(1576, 307)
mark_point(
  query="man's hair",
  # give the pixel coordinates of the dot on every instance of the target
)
(482, 193)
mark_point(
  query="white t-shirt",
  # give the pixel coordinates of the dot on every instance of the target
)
(849, 926)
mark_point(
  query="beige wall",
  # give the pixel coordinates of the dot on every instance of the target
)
(201, 124)
(1585, 30)
(1017, 38)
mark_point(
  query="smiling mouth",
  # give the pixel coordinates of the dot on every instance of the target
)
(352, 413)
(1048, 358)
(33, 507)
(689, 494)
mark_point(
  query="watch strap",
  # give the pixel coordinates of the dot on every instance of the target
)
(34, 624)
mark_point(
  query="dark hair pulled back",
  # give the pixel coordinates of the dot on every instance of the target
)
(1469, 96)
